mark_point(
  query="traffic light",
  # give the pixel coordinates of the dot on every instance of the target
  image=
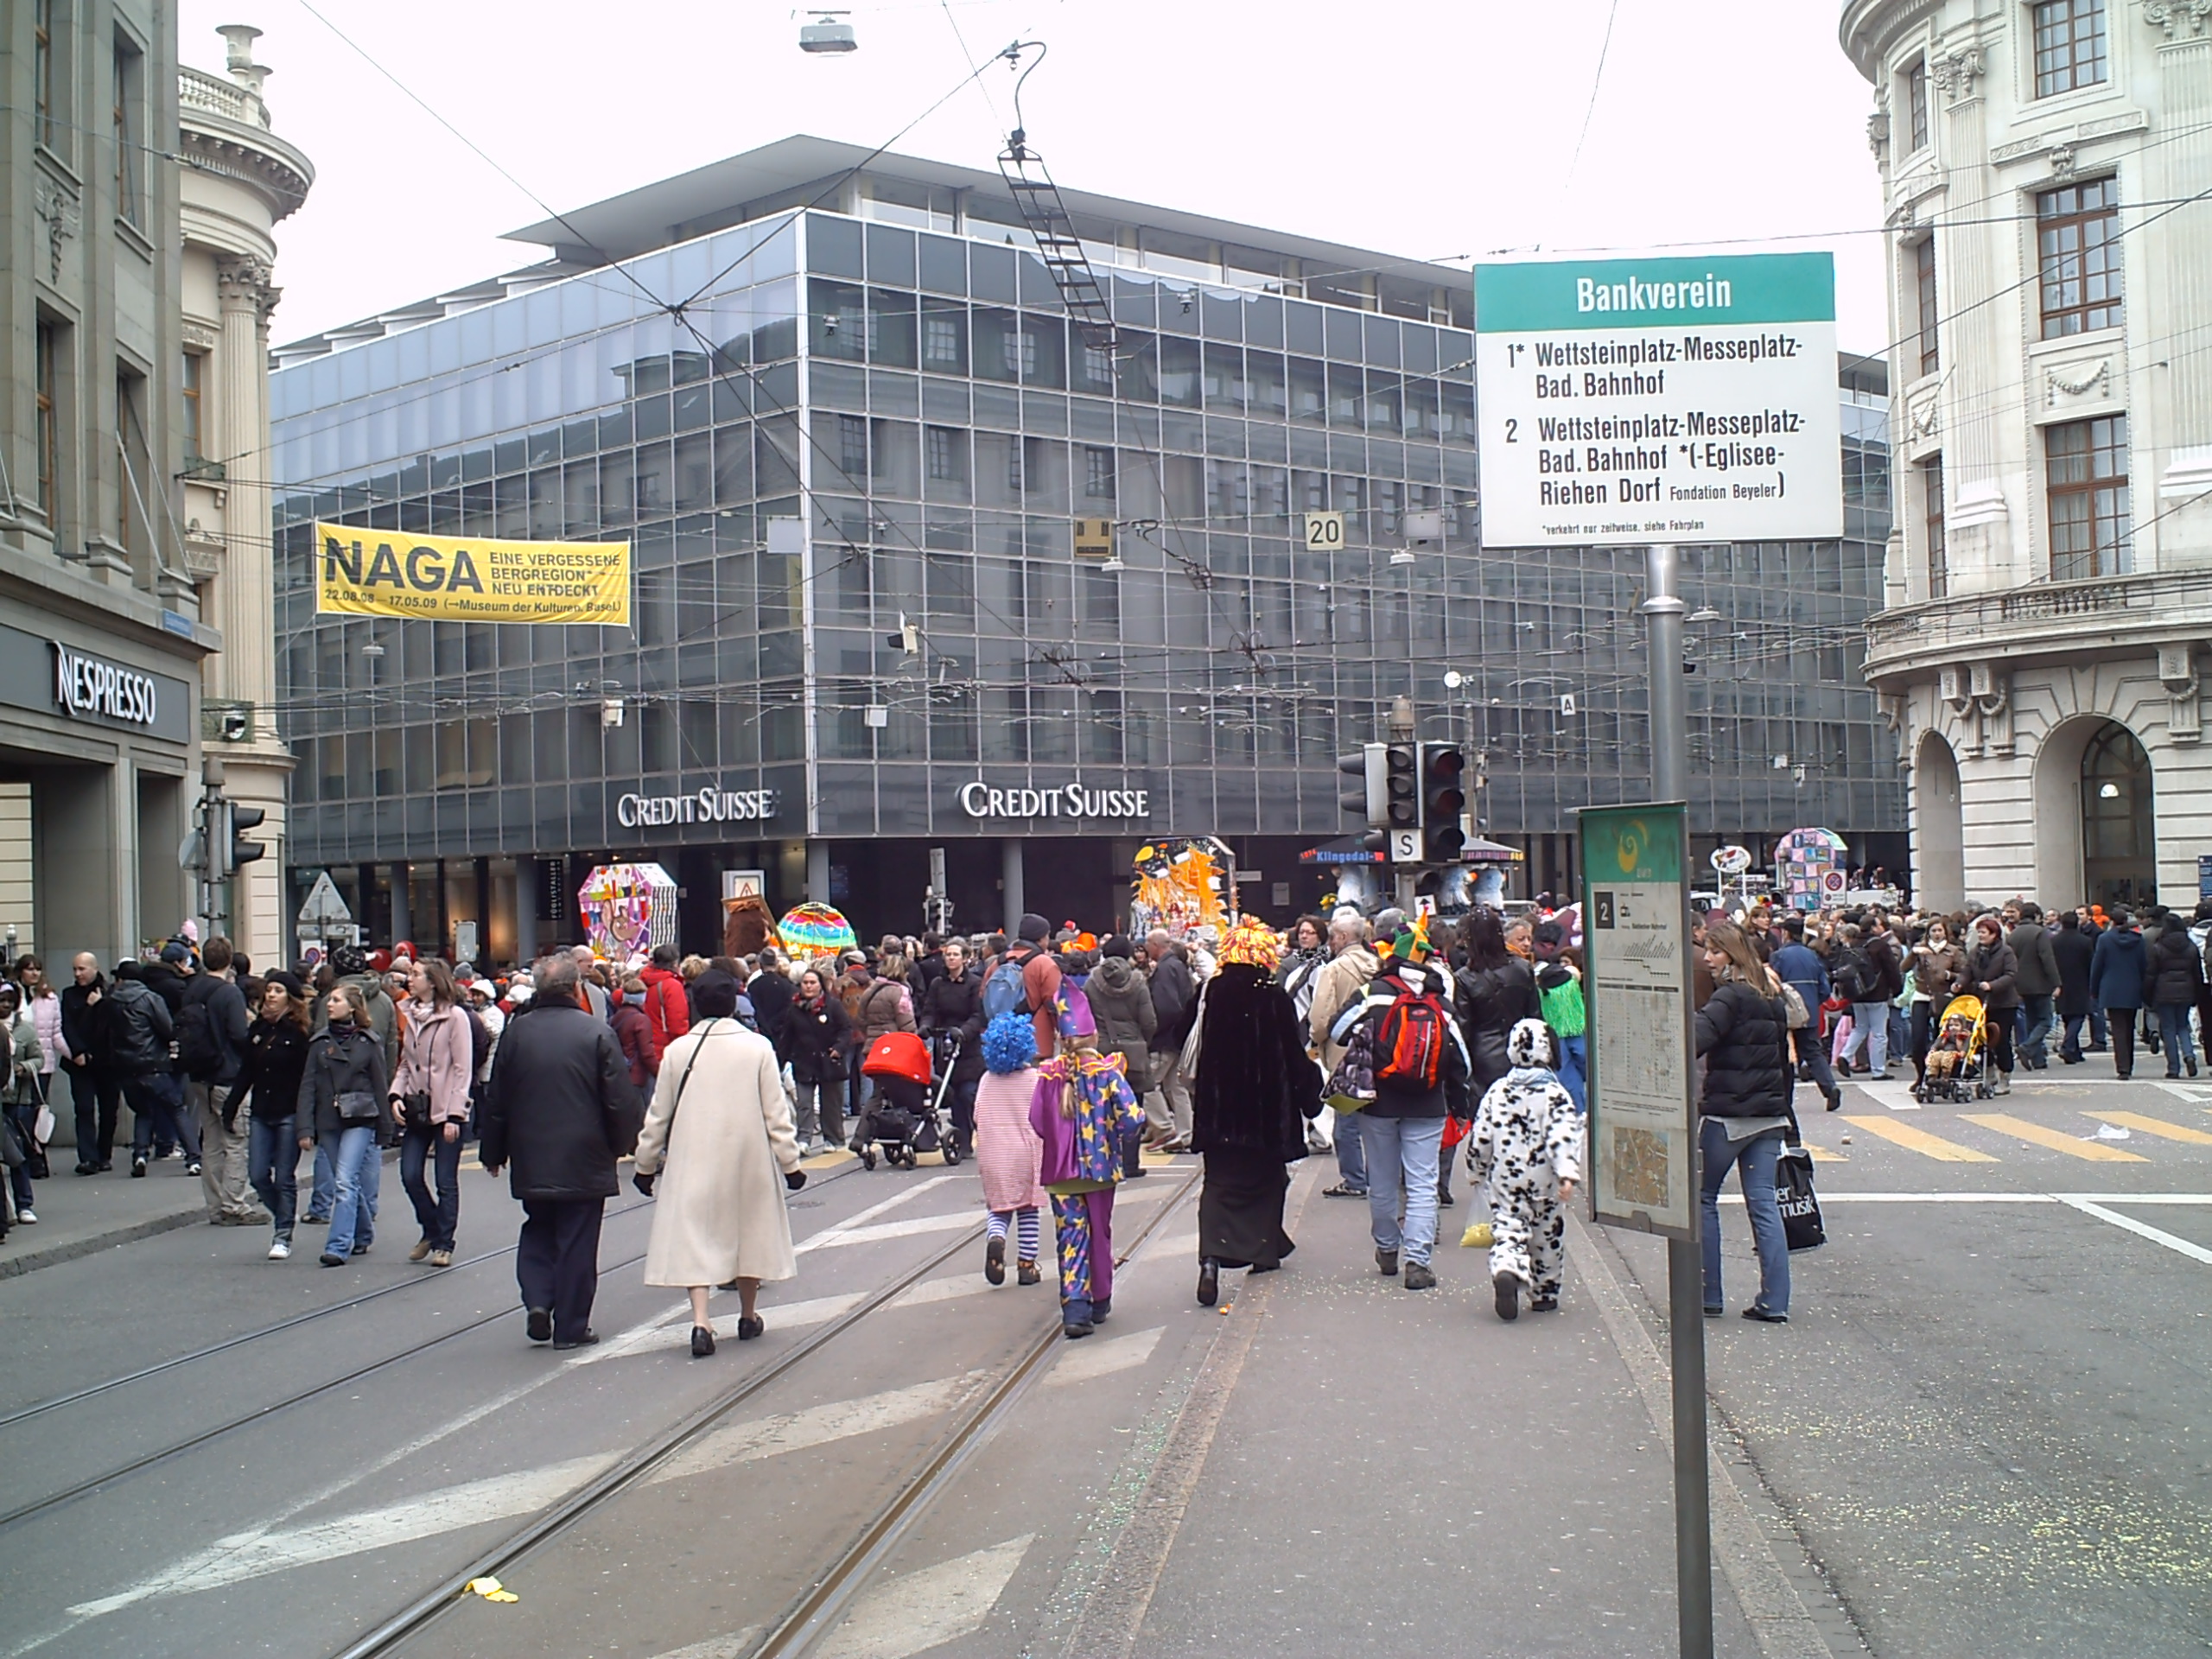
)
(1401, 785)
(243, 818)
(1369, 800)
(1443, 798)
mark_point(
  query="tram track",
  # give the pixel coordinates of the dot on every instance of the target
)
(89, 1485)
(811, 1614)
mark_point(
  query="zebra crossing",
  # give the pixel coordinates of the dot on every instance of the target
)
(2027, 1127)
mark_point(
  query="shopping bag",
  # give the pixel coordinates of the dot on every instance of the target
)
(1801, 1206)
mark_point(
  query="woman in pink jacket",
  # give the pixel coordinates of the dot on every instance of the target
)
(430, 1094)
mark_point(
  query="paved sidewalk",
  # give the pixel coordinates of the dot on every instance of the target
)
(79, 1214)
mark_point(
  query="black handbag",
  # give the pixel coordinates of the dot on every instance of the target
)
(1801, 1205)
(358, 1106)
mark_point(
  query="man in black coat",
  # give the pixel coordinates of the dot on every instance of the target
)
(2072, 947)
(1174, 990)
(95, 1085)
(561, 1106)
(770, 991)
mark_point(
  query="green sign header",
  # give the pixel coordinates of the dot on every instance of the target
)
(1751, 288)
(1631, 844)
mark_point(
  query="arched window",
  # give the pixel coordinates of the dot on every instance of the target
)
(2120, 852)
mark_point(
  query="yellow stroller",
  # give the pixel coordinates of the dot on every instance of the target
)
(1958, 1068)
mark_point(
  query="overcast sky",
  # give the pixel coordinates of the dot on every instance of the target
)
(1432, 131)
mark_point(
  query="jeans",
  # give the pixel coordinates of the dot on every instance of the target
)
(1813, 1054)
(1351, 1151)
(1755, 1160)
(2036, 1012)
(98, 1099)
(359, 1166)
(1899, 1030)
(1574, 1067)
(1401, 1156)
(1870, 1029)
(439, 1218)
(2174, 1036)
(2070, 1046)
(157, 1102)
(818, 1112)
(273, 1162)
(2099, 1037)
(324, 1192)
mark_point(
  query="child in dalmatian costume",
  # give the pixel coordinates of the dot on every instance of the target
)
(1527, 1146)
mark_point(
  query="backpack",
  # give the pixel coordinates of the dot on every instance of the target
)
(1852, 978)
(1003, 992)
(200, 1048)
(1409, 1038)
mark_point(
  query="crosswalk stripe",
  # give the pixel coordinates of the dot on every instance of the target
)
(883, 1230)
(735, 1645)
(794, 1431)
(924, 1609)
(1822, 1156)
(1919, 1141)
(1090, 1359)
(2094, 1152)
(2157, 1126)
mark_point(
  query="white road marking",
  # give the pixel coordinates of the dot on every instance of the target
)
(794, 1431)
(652, 1337)
(920, 1610)
(2140, 1229)
(942, 1290)
(1085, 1360)
(735, 1645)
(875, 1210)
(252, 1555)
(884, 1229)
(1918, 1198)
(2196, 1094)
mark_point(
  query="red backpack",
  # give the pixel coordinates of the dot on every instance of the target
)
(1409, 1040)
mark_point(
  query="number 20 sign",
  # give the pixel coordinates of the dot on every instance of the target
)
(1325, 531)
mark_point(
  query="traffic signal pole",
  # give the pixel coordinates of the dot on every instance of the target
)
(1662, 609)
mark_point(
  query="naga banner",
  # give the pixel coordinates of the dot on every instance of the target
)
(469, 579)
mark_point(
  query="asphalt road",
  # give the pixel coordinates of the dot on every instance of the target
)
(1982, 1433)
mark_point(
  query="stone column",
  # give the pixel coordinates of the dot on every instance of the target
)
(244, 600)
(2177, 442)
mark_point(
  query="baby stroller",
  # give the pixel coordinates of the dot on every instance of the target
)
(1957, 1069)
(900, 1119)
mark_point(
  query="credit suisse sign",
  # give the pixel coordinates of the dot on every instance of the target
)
(709, 805)
(980, 800)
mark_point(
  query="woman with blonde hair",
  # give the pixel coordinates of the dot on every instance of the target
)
(1745, 1115)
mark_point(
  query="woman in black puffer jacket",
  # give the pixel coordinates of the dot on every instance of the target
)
(1745, 1112)
(1493, 993)
(2177, 975)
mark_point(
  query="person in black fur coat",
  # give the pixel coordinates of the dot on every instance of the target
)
(1254, 1090)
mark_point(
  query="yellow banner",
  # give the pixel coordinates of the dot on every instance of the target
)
(468, 579)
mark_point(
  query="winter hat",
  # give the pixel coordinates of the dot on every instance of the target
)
(1033, 928)
(1071, 1010)
(1253, 943)
(289, 981)
(1117, 945)
(176, 950)
(714, 994)
(1529, 1044)
(1009, 1043)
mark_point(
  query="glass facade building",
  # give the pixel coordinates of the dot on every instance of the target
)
(846, 425)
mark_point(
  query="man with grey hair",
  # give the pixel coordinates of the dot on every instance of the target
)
(594, 992)
(1351, 964)
(560, 1109)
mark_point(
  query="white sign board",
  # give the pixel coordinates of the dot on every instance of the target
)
(1630, 401)
(1643, 1159)
(1324, 532)
(325, 910)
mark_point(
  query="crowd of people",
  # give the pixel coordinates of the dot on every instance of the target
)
(1402, 1044)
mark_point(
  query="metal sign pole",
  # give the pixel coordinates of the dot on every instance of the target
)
(1663, 607)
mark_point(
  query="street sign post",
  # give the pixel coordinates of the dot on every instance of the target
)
(1629, 401)
(1642, 1124)
(1324, 532)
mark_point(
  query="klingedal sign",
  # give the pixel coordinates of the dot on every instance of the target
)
(701, 806)
(979, 800)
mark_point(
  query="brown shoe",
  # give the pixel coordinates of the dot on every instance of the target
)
(442, 1258)
(422, 1248)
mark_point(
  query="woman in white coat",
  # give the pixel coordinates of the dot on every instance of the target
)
(721, 1127)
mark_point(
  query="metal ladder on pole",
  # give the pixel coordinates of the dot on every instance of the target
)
(1058, 245)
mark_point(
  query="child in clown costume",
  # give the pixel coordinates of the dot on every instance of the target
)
(1526, 1145)
(1008, 1153)
(1082, 1108)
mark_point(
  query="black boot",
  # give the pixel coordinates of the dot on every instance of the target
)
(1209, 1282)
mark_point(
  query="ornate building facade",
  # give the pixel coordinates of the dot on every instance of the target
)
(239, 181)
(2042, 651)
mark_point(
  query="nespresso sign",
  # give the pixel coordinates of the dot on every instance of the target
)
(701, 806)
(94, 687)
(979, 800)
